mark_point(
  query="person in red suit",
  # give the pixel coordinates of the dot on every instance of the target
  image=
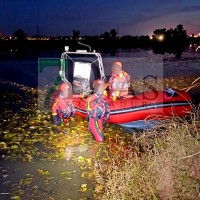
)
(63, 107)
(98, 110)
(119, 81)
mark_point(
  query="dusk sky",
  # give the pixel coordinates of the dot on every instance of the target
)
(90, 17)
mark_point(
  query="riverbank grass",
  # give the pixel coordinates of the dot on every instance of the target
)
(165, 165)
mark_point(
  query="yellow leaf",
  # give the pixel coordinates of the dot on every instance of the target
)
(2, 145)
(83, 187)
(83, 175)
(89, 161)
(16, 198)
(65, 173)
(80, 159)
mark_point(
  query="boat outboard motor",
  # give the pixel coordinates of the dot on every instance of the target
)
(81, 85)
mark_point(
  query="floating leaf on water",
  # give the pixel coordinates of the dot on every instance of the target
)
(26, 181)
(65, 173)
(80, 159)
(13, 147)
(3, 145)
(16, 198)
(27, 158)
(45, 122)
(83, 175)
(83, 187)
(38, 111)
(29, 175)
(5, 132)
(73, 132)
(43, 172)
(31, 141)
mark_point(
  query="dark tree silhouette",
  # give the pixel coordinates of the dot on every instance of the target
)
(180, 40)
(159, 32)
(76, 34)
(169, 34)
(171, 41)
(20, 35)
(181, 29)
(106, 35)
(113, 33)
(180, 32)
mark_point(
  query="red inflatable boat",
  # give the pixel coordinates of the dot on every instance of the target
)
(155, 105)
(81, 68)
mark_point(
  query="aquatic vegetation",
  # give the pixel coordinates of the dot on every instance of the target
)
(159, 84)
(29, 140)
(28, 136)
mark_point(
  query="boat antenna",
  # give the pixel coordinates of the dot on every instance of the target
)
(86, 45)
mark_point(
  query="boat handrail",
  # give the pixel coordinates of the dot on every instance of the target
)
(86, 45)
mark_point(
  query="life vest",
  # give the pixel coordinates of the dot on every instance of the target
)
(119, 84)
(63, 107)
(97, 107)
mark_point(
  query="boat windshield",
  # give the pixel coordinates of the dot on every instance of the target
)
(82, 70)
(81, 73)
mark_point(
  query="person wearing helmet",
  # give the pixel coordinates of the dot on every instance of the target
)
(119, 81)
(63, 108)
(98, 110)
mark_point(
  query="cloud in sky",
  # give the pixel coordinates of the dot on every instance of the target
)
(60, 17)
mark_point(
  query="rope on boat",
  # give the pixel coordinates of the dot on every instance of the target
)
(195, 80)
(193, 84)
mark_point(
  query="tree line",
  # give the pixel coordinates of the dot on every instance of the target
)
(162, 41)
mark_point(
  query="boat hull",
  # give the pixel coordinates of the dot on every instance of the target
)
(145, 106)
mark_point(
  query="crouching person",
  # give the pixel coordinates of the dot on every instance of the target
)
(98, 110)
(63, 108)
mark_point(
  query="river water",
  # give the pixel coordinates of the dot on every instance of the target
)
(138, 63)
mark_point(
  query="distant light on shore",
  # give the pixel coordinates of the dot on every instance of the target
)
(195, 36)
(161, 37)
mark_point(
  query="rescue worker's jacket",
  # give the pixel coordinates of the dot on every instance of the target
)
(97, 107)
(119, 84)
(63, 107)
